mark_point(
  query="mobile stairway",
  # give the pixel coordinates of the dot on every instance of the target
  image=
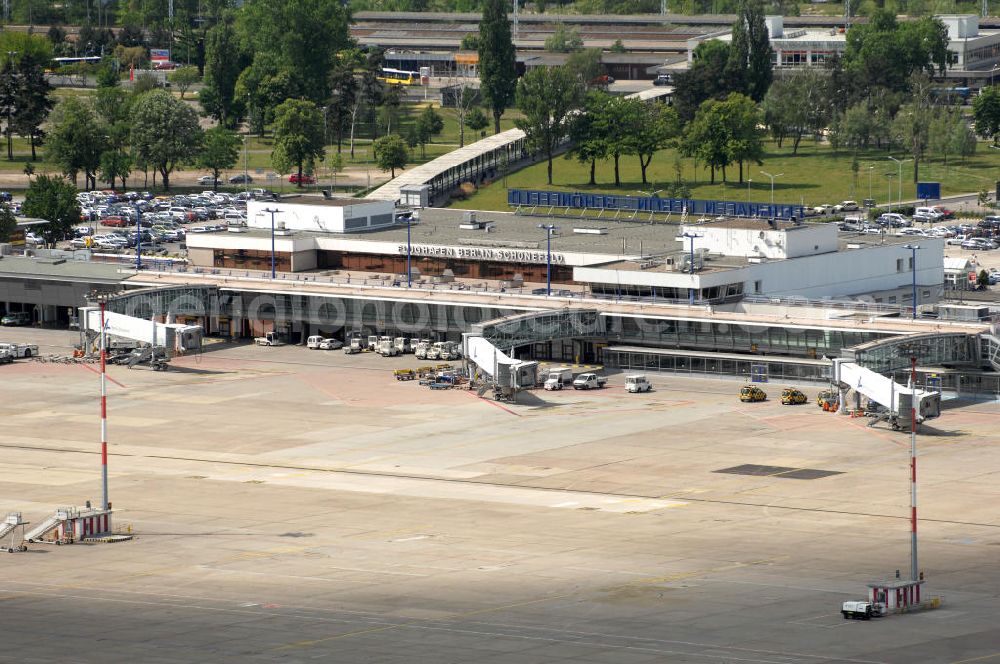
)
(9, 525)
(896, 400)
(71, 524)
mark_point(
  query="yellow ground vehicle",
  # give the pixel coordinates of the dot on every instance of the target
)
(404, 374)
(829, 398)
(791, 396)
(752, 393)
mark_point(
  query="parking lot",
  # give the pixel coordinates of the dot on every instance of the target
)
(293, 505)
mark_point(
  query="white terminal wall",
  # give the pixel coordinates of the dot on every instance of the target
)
(769, 243)
(365, 214)
(840, 274)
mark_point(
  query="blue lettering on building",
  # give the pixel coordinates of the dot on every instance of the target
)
(694, 206)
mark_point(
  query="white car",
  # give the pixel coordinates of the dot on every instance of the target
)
(199, 229)
(330, 344)
(208, 180)
(956, 241)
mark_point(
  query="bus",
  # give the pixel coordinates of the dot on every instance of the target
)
(65, 62)
(399, 77)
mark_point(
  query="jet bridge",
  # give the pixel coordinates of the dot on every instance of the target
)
(897, 399)
(174, 337)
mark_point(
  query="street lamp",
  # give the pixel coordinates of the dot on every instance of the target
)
(692, 237)
(899, 162)
(548, 228)
(889, 177)
(749, 182)
(772, 187)
(272, 213)
(913, 266)
(246, 170)
(870, 169)
(409, 272)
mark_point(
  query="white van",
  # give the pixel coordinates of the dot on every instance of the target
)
(313, 342)
(928, 213)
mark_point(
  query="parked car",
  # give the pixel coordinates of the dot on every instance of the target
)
(241, 179)
(295, 178)
(823, 209)
(330, 344)
(603, 79)
(16, 318)
(893, 219)
(663, 79)
(208, 180)
(846, 206)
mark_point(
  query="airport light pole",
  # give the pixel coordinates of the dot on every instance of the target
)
(272, 213)
(912, 349)
(773, 177)
(889, 177)
(548, 228)
(870, 169)
(246, 170)
(899, 162)
(913, 266)
(102, 301)
(749, 182)
(409, 272)
(691, 237)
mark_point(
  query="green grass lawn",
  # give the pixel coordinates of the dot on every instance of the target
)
(816, 175)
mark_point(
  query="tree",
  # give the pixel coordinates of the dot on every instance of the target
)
(706, 79)
(10, 85)
(546, 96)
(563, 40)
(655, 127)
(391, 153)
(587, 65)
(220, 149)
(911, 127)
(884, 53)
(115, 165)
(183, 78)
(165, 132)
(431, 122)
(76, 140)
(588, 139)
(34, 102)
(343, 91)
(466, 99)
(8, 223)
(744, 141)
(797, 105)
(224, 60)
(706, 138)
(470, 42)
(497, 63)
(302, 38)
(760, 69)
(298, 135)
(986, 112)
(476, 120)
(54, 199)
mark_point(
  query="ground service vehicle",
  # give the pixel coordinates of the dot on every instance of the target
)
(372, 341)
(828, 397)
(16, 318)
(5, 357)
(858, 611)
(402, 345)
(313, 342)
(20, 350)
(420, 351)
(791, 396)
(404, 374)
(445, 350)
(353, 347)
(386, 348)
(663, 79)
(269, 339)
(752, 393)
(637, 383)
(589, 381)
(558, 378)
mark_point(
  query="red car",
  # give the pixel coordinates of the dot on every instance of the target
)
(115, 222)
(294, 178)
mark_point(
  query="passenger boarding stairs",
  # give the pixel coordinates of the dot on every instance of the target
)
(47, 526)
(12, 521)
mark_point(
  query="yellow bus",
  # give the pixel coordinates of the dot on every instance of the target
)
(399, 77)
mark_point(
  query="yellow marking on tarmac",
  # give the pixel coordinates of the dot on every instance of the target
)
(372, 630)
(976, 659)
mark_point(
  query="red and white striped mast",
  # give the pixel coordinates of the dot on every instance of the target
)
(104, 411)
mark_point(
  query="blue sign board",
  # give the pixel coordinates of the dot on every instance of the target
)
(694, 206)
(927, 191)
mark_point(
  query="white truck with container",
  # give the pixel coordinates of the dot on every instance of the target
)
(637, 383)
(860, 610)
(589, 381)
(386, 347)
(558, 378)
(269, 339)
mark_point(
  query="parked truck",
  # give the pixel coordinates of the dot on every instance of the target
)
(403, 345)
(589, 381)
(558, 378)
(356, 345)
(858, 611)
(372, 341)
